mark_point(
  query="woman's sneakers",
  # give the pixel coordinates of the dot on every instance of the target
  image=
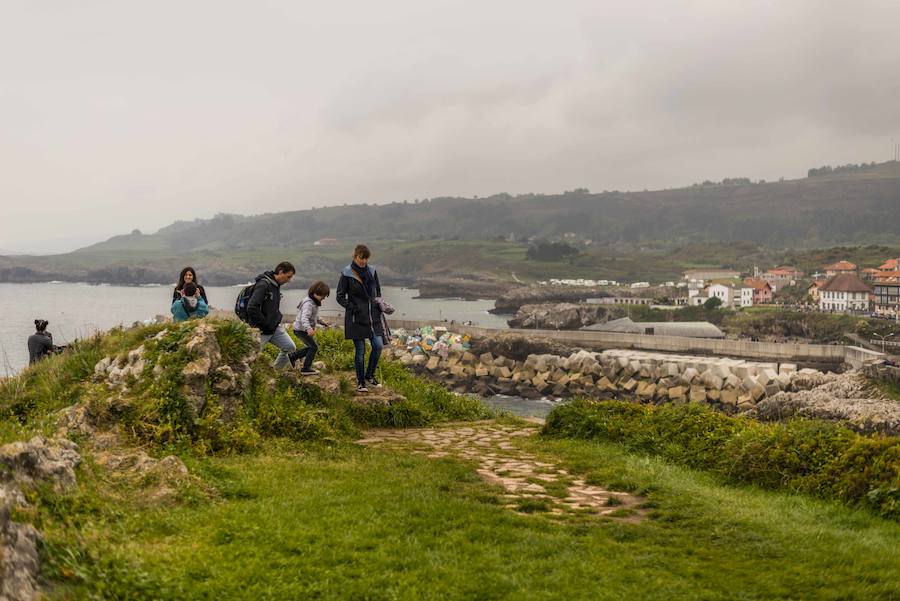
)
(309, 372)
(372, 382)
(361, 388)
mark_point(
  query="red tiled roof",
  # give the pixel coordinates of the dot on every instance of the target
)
(845, 282)
(887, 275)
(890, 265)
(784, 270)
(841, 266)
(756, 284)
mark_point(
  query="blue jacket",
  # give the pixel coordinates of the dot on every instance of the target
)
(179, 314)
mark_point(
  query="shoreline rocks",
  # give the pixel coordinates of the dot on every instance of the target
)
(511, 300)
(729, 385)
(560, 316)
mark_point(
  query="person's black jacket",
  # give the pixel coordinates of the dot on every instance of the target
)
(264, 306)
(362, 316)
(176, 295)
(40, 344)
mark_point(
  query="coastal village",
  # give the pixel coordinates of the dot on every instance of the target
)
(840, 287)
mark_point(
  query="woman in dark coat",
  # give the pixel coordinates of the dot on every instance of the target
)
(187, 276)
(356, 293)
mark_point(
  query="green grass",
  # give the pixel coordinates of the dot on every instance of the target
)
(810, 456)
(284, 506)
(29, 400)
(892, 391)
(344, 523)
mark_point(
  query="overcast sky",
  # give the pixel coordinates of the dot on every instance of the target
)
(132, 114)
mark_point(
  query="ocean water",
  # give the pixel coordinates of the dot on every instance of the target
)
(77, 310)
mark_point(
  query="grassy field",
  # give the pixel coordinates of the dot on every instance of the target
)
(341, 522)
(283, 504)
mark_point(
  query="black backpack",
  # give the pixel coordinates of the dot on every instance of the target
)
(240, 304)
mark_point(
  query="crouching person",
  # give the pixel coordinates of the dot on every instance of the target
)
(190, 304)
(264, 311)
(305, 326)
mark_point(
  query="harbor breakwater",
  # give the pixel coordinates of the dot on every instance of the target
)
(730, 385)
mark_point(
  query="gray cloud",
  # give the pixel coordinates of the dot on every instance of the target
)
(115, 115)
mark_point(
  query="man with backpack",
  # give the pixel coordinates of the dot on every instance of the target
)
(260, 306)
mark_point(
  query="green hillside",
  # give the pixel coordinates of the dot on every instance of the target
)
(821, 211)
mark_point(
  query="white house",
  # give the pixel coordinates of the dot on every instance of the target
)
(724, 293)
(844, 292)
(746, 296)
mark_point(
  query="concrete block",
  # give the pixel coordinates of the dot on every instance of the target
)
(757, 393)
(698, 394)
(729, 397)
(689, 375)
(676, 392)
(748, 383)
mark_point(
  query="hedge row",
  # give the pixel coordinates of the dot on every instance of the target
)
(814, 457)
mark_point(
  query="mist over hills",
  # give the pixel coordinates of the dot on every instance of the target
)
(843, 207)
(834, 214)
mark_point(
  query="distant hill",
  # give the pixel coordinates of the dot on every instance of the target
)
(842, 207)
(849, 211)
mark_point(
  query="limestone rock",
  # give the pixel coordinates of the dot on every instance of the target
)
(41, 460)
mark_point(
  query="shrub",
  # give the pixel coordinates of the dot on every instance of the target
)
(814, 457)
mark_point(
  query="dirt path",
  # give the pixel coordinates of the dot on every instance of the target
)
(530, 485)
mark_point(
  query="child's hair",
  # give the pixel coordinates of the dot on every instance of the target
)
(320, 288)
(362, 251)
(40, 324)
(190, 289)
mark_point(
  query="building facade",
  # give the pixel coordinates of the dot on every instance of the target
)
(887, 299)
(844, 293)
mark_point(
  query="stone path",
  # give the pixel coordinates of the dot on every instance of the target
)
(530, 485)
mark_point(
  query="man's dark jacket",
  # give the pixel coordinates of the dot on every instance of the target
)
(264, 306)
(40, 344)
(362, 315)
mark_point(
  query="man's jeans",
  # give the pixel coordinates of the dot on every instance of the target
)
(359, 359)
(283, 342)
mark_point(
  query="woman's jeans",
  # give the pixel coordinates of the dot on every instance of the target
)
(308, 352)
(359, 360)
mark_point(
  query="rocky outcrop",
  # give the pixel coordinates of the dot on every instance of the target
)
(205, 371)
(847, 398)
(512, 300)
(25, 465)
(518, 346)
(560, 316)
(460, 287)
